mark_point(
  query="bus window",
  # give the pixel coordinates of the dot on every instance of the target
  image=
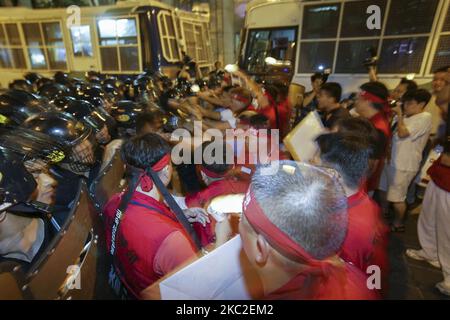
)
(45, 45)
(278, 44)
(168, 37)
(81, 41)
(56, 52)
(118, 44)
(196, 42)
(189, 37)
(11, 52)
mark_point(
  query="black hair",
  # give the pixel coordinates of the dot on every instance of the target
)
(144, 151)
(283, 89)
(228, 88)
(377, 89)
(147, 118)
(410, 84)
(420, 96)
(221, 167)
(364, 128)
(346, 153)
(258, 121)
(317, 76)
(273, 91)
(333, 89)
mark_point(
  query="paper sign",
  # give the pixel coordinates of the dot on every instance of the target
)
(221, 206)
(300, 142)
(217, 276)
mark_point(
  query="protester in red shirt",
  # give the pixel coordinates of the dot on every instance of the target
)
(149, 241)
(293, 225)
(269, 100)
(372, 104)
(221, 179)
(376, 138)
(367, 238)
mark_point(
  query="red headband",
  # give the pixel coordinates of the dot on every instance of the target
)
(280, 240)
(211, 174)
(240, 99)
(372, 98)
(146, 181)
(262, 225)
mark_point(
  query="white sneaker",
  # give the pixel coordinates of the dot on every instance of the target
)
(419, 256)
(443, 288)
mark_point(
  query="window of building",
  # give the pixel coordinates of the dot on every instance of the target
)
(81, 41)
(119, 46)
(11, 51)
(45, 45)
(168, 37)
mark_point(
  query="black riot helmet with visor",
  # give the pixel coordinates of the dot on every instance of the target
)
(125, 113)
(82, 111)
(21, 84)
(42, 81)
(16, 184)
(52, 91)
(32, 145)
(71, 133)
(33, 77)
(86, 113)
(18, 105)
(95, 93)
(112, 92)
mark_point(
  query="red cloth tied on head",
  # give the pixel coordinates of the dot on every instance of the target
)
(213, 175)
(330, 276)
(147, 182)
(241, 99)
(375, 99)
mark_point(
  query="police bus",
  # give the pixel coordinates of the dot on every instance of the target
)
(127, 38)
(294, 39)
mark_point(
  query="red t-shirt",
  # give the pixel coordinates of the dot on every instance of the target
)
(218, 188)
(381, 122)
(304, 287)
(270, 112)
(145, 242)
(366, 243)
(440, 175)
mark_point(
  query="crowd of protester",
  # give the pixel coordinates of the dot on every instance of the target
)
(310, 230)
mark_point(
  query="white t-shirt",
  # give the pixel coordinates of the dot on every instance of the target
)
(407, 152)
(228, 116)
